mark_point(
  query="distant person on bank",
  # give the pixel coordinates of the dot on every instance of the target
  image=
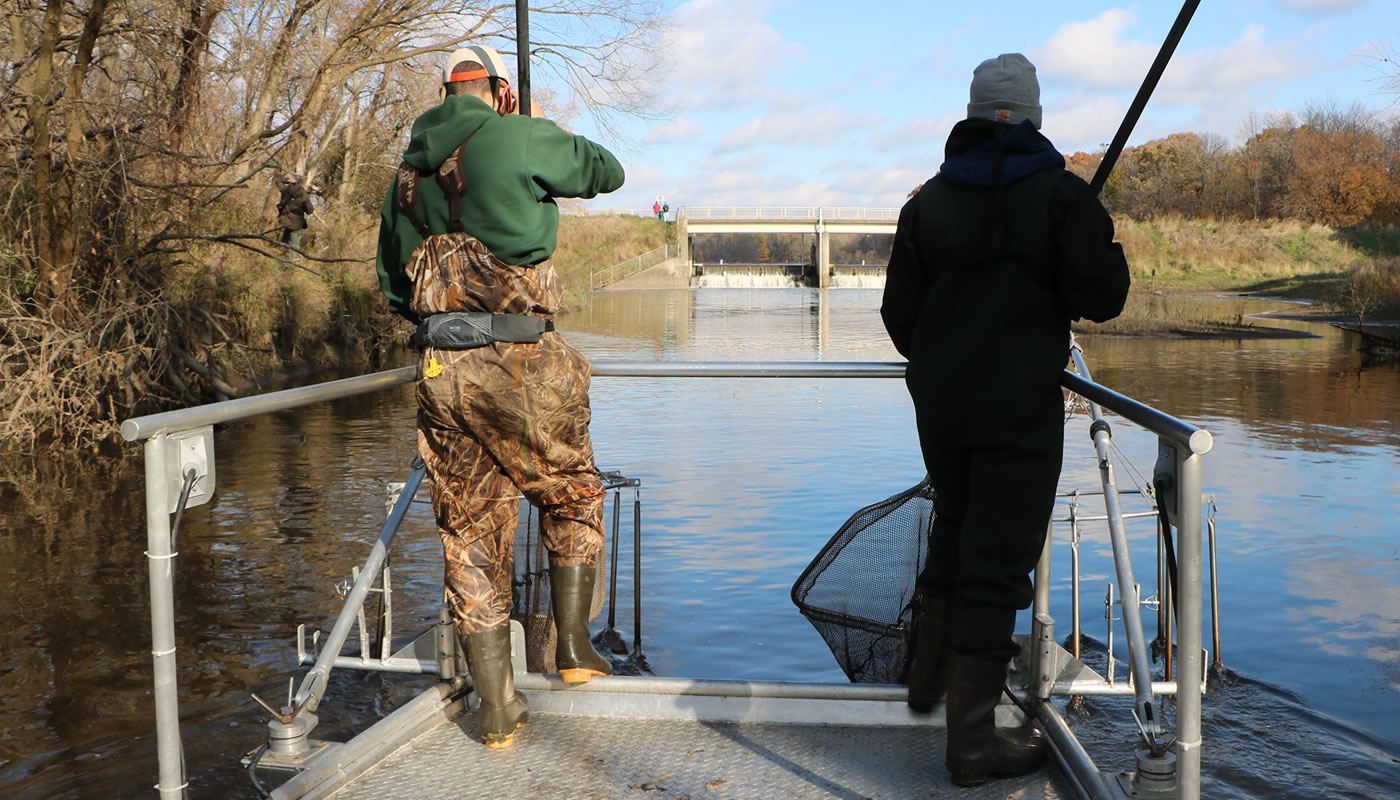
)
(292, 208)
(465, 239)
(992, 259)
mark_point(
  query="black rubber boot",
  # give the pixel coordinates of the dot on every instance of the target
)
(933, 640)
(977, 751)
(571, 593)
(502, 710)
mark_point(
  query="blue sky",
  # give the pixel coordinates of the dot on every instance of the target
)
(847, 103)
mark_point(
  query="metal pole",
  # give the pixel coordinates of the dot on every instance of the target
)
(1189, 668)
(1073, 758)
(1125, 129)
(1168, 660)
(313, 686)
(1215, 664)
(1042, 575)
(1042, 626)
(637, 572)
(1122, 560)
(1161, 583)
(1074, 575)
(159, 562)
(522, 54)
(612, 578)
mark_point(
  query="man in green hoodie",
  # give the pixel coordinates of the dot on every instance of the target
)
(465, 238)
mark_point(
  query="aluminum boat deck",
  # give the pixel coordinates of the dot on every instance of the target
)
(665, 738)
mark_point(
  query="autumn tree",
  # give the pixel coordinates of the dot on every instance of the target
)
(136, 133)
(1339, 175)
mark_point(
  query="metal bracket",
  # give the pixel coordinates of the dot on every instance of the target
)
(186, 450)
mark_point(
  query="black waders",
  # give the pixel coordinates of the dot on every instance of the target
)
(933, 641)
(571, 593)
(501, 709)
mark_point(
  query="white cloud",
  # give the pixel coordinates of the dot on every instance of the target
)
(925, 134)
(1083, 122)
(1320, 7)
(720, 48)
(1093, 53)
(817, 127)
(752, 162)
(642, 175)
(888, 187)
(1201, 76)
(734, 179)
(681, 130)
(1099, 54)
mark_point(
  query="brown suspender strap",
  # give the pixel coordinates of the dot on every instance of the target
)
(406, 195)
(451, 176)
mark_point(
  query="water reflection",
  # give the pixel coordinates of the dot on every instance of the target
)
(743, 480)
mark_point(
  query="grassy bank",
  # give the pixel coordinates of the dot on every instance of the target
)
(588, 244)
(1346, 271)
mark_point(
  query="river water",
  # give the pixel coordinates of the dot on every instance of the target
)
(742, 482)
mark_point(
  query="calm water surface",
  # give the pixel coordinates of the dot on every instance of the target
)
(743, 481)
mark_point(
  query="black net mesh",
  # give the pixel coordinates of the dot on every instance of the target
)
(859, 590)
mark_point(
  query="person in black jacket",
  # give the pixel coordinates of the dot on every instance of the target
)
(992, 259)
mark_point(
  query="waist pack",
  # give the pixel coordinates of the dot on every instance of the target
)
(464, 330)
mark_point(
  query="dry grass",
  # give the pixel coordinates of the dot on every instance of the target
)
(1155, 314)
(587, 244)
(1373, 289)
(1178, 252)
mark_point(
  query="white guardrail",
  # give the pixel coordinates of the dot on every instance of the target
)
(631, 266)
(824, 213)
(607, 212)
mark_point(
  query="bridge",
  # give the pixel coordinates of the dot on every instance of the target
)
(817, 220)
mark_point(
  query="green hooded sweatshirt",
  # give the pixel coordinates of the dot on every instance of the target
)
(515, 166)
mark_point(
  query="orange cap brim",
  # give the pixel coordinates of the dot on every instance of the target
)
(474, 75)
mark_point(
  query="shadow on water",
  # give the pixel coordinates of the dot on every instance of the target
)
(1262, 741)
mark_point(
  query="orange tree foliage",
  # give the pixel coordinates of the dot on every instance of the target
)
(1339, 178)
(1335, 168)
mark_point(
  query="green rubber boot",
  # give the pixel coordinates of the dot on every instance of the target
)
(501, 710)
(933, 641)
(571, 594)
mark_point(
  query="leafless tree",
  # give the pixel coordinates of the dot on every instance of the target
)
(135, 130)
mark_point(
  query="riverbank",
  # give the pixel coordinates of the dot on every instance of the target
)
(222, 315)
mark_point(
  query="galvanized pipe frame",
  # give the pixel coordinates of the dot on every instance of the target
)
(160, 564)
(1132, 616)
(1191, 667)
(152, 429)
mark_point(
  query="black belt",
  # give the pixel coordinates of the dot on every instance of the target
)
(464, 330)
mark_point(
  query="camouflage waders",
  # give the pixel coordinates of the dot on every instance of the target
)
(498, 421)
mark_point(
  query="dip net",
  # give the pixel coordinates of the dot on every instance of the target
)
(859, 592)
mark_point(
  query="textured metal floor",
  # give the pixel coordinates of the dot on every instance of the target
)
(563, 756)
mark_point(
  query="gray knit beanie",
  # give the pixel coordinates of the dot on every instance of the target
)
(1004, 89)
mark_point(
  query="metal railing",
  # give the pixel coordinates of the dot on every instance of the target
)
(607, 212)
(795, 213)
(178, 451)
(630, 267)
